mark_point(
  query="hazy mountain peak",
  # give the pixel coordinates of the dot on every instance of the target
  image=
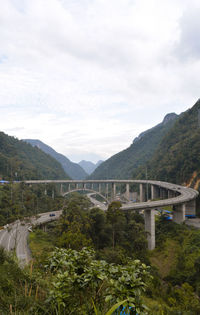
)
(168, 117)
(89, 166)
(74, 170)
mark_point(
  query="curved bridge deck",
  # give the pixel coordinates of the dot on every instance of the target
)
(183, 199)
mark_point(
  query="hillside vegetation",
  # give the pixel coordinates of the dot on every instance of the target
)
(20, 161)
(74, 170)
(123, 164)
(177, 159)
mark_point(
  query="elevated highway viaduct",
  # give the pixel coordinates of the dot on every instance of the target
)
(158, 193)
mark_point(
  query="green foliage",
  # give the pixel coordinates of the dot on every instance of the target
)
(177, 258)
(79, 279)
(177, 156)
(114, 234)
(20, 161)
(19, 200)
(20, 290)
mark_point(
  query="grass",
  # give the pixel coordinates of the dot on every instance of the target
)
(40, 243)
(165, 260)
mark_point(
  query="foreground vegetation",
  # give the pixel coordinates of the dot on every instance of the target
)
(19, 200)
(90, 260)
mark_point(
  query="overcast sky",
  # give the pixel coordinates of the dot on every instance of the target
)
(87, 76)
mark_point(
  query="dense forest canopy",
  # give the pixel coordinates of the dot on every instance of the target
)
(177, 158)
(20, 161)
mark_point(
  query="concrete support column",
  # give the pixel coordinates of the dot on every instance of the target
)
(76, 186)
(69, 187)
(171, 194)
(113, 191)
(99, 188)
(107, 190)
(44, 227)
(127, 192)
(155, 192)
(61, 189)
(92, 186)
(53, 194)
(190, 207)
(179, 213)
(149, 218)
(163, 193)
(142, 193)
(84, 186)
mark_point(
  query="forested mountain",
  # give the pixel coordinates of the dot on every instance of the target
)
(177, 158)
(124, 163)
(89, 166)
(74, 170)
(19, 161)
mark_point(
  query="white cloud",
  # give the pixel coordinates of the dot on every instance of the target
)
(88, 76)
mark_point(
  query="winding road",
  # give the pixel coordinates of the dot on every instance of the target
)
(14, 236)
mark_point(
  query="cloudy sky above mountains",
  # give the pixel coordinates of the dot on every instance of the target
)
(87, 76)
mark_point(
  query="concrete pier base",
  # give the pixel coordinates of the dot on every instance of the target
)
(149, 218)
(179, 213)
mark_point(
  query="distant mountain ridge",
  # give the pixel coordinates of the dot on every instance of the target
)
(20, 161)
(74, 170)
(124, 164)
(89, 166)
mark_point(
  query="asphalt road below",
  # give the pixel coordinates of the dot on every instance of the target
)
(14, 236)
(97, 203)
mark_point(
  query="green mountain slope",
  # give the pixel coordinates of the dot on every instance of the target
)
(74, 170)
(19, 161)
(177, 158)
(126, 162)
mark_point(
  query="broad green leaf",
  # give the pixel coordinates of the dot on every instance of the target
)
(114, 307)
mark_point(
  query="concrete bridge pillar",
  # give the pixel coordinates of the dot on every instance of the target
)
(69, 187)
(76, 186)
(149, 219)
(107, 190)
(61, 189)
(99, 188)
(179, 213)
(92, 186)
(190, 207)
(127, 192)
(113, 191)
(142, 193)
(84, 186)
(163, 193)
(171, 194)
(155, 192)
